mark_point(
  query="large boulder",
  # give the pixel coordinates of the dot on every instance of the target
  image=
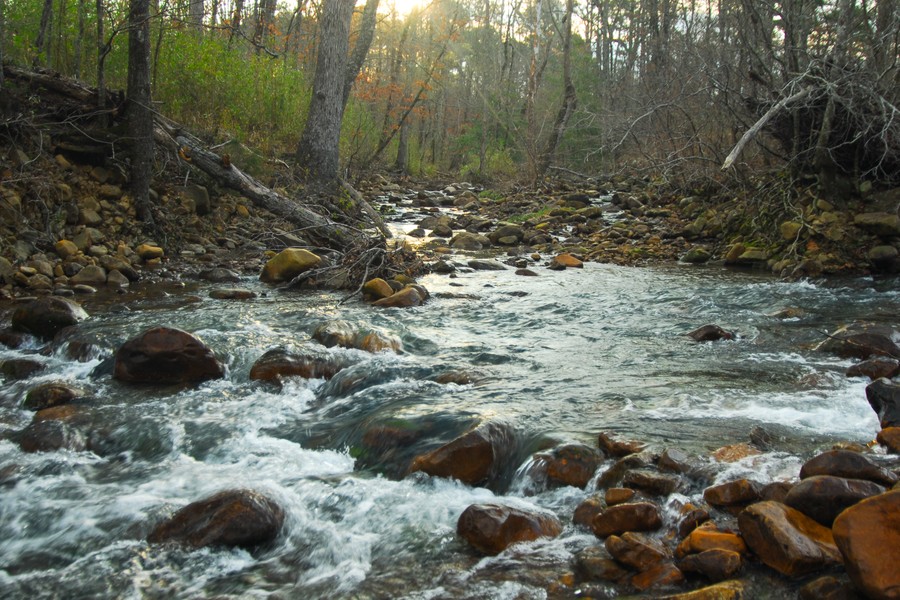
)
(569, 464)
(868, 536)
(844, 463)
(875, 368)
(45, 316)
(477, 457)
(50, 435)
(824, 497)
(233, 518)
(716, 564)
(287, 264)
(631, 516)
(787, 540)
(732, 493)
(879, 223)
(884, 398)
(279, 362)
(862, 340)
(166, 355)
(491, 528)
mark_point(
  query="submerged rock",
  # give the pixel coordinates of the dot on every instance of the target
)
(46, 316)
(614, 446)
(52, 394)
(868, 536)
(233, 518)
(279, 362)
(569, 464)
(405, 298)
(475, 458)
(20, 368)
(491, 528)
(50, 435)
(166, 355)
(875, 368)
(710, 333)
(787, 540)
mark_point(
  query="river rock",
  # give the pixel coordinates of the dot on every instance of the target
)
(567, 261)
(233, 518)
(868, 536)
(612, 477)
(50, 435)
(466, 240)
(166, 355)
(631, 516)
(46, 316)
(506, 235)
(884, 398)
(232, 294)
(691, 518)
(588, 509)
(696, 256)
(884, 259)
(650, 482)
(376, 289)
(595, 564)
(20, 368)
(879, 223)
(889, 437)
(732, 493)
(615, 496)
(341, 333)
(405, 298)
(735, 452)
(844, 463)
(279, 362)
(475, 458)
(660, 575)
(716, 564)
(861, 340)
(824, 497)
(787, 540)
(875, 368)
(636, 550)
(51, 394)
(674, 460)
(612, 445)
(65, 249)
(486, 265)
(219, 275)
(727, 590)
(827, 588)
(710, 333)
(149, 252)
(708, 537)
(287, 264)
(569, 464)
(491, 528)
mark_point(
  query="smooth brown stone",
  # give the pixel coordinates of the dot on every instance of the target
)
(587, 510)
(473, 458)
(636, 550)
(824, 497)
(632, 516)
(707, 537)
(617, 448)
(851, 465)
(715, 564)
(663, 574)
(491, 528)
(571, 464)
(618, 496)
(890, 439)
(727, 590)
(741, 491)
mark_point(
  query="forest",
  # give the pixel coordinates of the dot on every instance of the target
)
(686, 92)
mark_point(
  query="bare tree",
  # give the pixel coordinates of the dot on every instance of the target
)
(140, 112)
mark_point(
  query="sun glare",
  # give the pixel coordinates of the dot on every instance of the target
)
(401, 8)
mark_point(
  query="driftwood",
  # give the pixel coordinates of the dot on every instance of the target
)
(317, 228)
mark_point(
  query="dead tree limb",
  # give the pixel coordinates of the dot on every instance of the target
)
(757, 127)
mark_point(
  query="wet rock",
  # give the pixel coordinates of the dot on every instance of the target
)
(569, 464)
(588, 509)
(506, 235)
(879, 223)
(613, 476)
(233, 518)
(709, 537)
(631, 516)
(875, 368)
(279, 362)
(232, 294)
(884, 398)
(884, 259)
(710, 333)
(844, 463)
(889, 437)
(566, 260)
(787, 540)
(732, 493)
(696, 256)
(341, 333)
(674, 460)
(46, 316)
(650, 482)
(20, 368)
(50, 394)
(777, 490)
(491, 528)
(166, 355)
(861, 340)
(117, 280)
(727, 590)
(68, 413)
(12, 339)
(90, 275)
(466, 240)
(868, 536)
(65, 249)
(615, 496)
(735, 452)
(376, 289)
(824, 497)
(149, 252)
(287, 264)
(715, 564)
(526, 273)
(595, 564)
(660, 575)
(219, 275)
(486, 265)
(405, 298)
(636, 550)
(611, 445)
(691, 518)
(475, 458)
(50, 435)
(828, 588)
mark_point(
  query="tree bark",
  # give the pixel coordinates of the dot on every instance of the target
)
(361, 48)
(140, 112)
(2, 35)
(318, 150)
(42, 32)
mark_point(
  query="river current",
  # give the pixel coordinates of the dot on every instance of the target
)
(560, 357)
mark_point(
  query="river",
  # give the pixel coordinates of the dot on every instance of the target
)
(560, 357)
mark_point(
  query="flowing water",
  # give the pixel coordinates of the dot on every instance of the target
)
(560, 357)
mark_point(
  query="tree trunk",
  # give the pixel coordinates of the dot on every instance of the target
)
(318, 149)
(195, 14)
(42, 32)
(77, 46)
(361, 48)
(402, 163)
(2, 35)
(140, 112)
(102, 51)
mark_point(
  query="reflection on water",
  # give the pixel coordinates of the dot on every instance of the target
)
(561, 357)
